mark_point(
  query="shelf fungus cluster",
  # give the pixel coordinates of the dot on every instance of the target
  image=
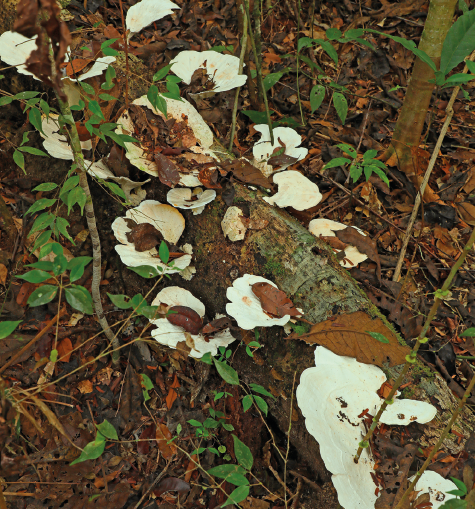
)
(333, 397)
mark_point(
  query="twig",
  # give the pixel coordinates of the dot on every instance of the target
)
(411, 358)
(437, 446)
(259, 70)
(159, 476)
(241, 65)
(296, 501)
(43, 331)
(433, 159)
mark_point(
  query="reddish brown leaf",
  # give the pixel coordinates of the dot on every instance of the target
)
(163, 435)
(274, 301)
(281, 160)
(172, 394)
(147, 433)
(144, 236)
(65, 349)
(117, 162)
(167, 170)
(185, 317)
(209, 178)
(84, 134)
(245, 172)
(77, 65)
(216, 325)
(171, 484)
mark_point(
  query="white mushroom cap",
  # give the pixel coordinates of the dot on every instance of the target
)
(177, 110)
(132, 258)
(146, 12)
(331, 396)
(100, 170)
(222, 69)
(56, 144)
(15, 49)
(181, 198)
(166, 219)
(246, 308)
(322, 227)
(170, 335)
(433, 483)
(232, 225)
(263, 149)
(295, 191)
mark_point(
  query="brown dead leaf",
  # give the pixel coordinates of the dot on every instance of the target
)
(185, 317)
(467, 211)
(85, 387)
(209, 178)
(144, 236)
(274, 301)
(172, 395)
(335, 242)
(245, 172)
(363, 243)
(216, 325)
(65, 349)
(348, 335)
(163, 436)
(3, 274)
(167, 170)
(77, 65)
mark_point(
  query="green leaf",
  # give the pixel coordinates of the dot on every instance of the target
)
(333, 34)
(173, 88)
(457, 493)
(120, 301)
(5, 100)
(115, 189)
(238, 495)
(41, 240)
(261, 404)
(455, 79)
(34, 116)
(107, 97)
(304, 42)
(258, 117)
(152, 96)
(69, 184)
(460, 485)
(41, 265)
(110, 52)
(247, 402)
(355, 171)
(378, 336)
(87, 88)
(108, 43)
(42, 295)
(260, 390)
(76, 267)
(195, 423)
(19, 159)
(271, 79)
(35, 276)
(470, 65)
(146, 382)
(41, 204)
(96, 109)
(236, 479)
(77, 195)
(61, 227)
(59, 264)
(110, 74)
(222, 471)
(329, 49)
(317, 94)
(45, 107)
(380, 173)
(161, 73)
(311, 64)
(227, 373)
(348, 149)
(353, 33)
(341, 106)
(108, 430)
(26, 95)
(53, 356)
(207, 359)
(34, 151)
(92, 450)
(47, 186)
(145, 271)
(79, 298)
(459, 43)
(243, 453)
(163, 252)
(6, 328)
(454, 503)
(198, 451)
(468, 333)
(78, 107)
(338, 161)
(369, 154)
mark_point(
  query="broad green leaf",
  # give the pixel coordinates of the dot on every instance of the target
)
(5, 100)
(6, 328)
(78, 107)
(271, 79)
(116, 189)
(198, 451)
(333, 34)
(42, 295)
(338, 161)
(222, 471)
(227, 373)
(369, 154)
(59, 264)
(458, 493)
(341, 106)
(35, 276)
(163, 252)
(355, 171)
(79, 298)
(258, 117)
(69, 184)
(236, 479)
(470, 65)
(45, 107)
(41, 240)
(19, 159)
(380, 173)
(260, 390)
(77, 195)
(194, 423)
(96, 109)
(311, 63)
(455, 79)
(87, 88)
(468, 333)
(120, 301)
(161, 73)
(26, 95)
(378, 336)
(107, 97)
(348, 149)
(108, 43)
(329, 49)
(460, 485)
(459, 43)
(145, 271)
(353, 33)
(247, 402)
(108, 430)
(34, 151)
(47, 186)
(317, 94)
(207, 359)
(454, 503)
(34, 116)
(152, 95)
(173, 88)
(91, 451)
(149, 312)
(41, 204)
(463, 6)
(261, 403)
(41, 265)
(238, 495)
(76, 267)
(61, 228)
(243, 453)
(110, 73)
(304, 42)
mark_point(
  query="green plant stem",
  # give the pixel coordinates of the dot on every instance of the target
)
(437, 446)
(422, 335)
(241, 66)
(259, 70)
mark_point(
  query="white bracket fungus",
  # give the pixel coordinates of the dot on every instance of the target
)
(264, 149)
(433, 483)
(167, 220)
(232, 225)
(15, 50)
(146, 12)
(100, 170)
(223, 70)
(325, 228)
(57, 144)
(170, 335)
(332, 396)
(246, 308)
(182, 198)
(295, 191)
(177, 110)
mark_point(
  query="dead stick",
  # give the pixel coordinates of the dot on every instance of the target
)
(43, 331)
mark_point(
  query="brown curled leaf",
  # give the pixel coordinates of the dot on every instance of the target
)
(186, 318)
(274, 301)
